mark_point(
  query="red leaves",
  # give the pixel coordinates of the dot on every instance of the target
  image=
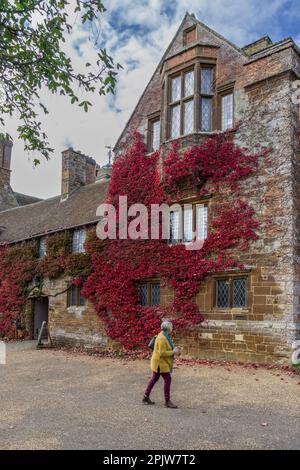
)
(110, 270)
(121, 264)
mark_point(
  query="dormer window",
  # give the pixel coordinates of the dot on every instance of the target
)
(191, 95)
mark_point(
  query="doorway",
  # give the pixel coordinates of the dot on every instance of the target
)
(40, 314)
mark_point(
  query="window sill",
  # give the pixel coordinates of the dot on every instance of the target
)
(200, 133)
(75, 309)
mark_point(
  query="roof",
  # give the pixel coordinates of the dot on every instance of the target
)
(53, 215)
(23, 199)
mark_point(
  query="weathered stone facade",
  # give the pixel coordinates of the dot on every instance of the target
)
(261, 76)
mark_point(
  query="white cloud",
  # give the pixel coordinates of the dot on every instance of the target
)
(137, 32)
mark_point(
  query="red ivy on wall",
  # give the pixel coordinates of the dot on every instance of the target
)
(111, 270)
(119, 265)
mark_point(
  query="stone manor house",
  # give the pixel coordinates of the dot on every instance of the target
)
(203, 84)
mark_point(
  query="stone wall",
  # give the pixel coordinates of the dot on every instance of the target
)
(266, 328)
(77, 170)
(72, 326)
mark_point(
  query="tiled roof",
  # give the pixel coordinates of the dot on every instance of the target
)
(23, 199)
(52, 215)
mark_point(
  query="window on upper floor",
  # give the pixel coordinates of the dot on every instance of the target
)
(42, 247)
(79, 237)
(149, 293)
(190, 223)
(74, 297)
(190, 104)
(190, 35)
(231, 292)
(226, 111)
(154, 134)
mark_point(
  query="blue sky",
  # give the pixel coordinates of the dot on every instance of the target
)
(136, 33)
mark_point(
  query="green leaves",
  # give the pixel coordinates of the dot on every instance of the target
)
(85, 105)
(31, 58)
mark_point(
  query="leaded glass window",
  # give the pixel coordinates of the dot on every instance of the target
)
(42, 247)
(174, 226)
(175, 122)
(176, 89)
(227, 111)
(188, 116)
(206, 114)
(231, 292)
(144, 294)
(78, 241)
(149, 293)
(201, 222)
(191, 109)
(239, 293)
(206, 81)
(222, 293)
(73, 295)
(156, 135)
(189, 83)
(155, 294)
(188, 224)
(75, 299)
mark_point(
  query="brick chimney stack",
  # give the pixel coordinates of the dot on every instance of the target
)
(7, 197)
(77, 170)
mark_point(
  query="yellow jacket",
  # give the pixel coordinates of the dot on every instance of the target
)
(162, 356)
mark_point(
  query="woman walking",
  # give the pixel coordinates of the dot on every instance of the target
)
(162, 363)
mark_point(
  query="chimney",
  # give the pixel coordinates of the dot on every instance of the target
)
(5, 159)
(77, 170)
(7, 197)
(104, 172)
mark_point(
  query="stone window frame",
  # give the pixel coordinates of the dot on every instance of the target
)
(229, 278)
(149, 283)
(194, 202)
(223, 91)
(196, 65)
(152, 118)
(78, 295)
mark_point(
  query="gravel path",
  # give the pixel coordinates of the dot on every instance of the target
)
(57, 400)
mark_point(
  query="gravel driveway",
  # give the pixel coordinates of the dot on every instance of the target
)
(57, 400)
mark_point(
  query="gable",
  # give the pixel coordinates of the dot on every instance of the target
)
(230, 60)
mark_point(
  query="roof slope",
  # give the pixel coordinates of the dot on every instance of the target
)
(52, 215)
(24, 199)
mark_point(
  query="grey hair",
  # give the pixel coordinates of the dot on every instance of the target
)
(166, 325)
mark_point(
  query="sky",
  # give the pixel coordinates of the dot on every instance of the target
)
(136, 33)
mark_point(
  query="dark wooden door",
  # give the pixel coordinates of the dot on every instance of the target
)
(41, 309)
